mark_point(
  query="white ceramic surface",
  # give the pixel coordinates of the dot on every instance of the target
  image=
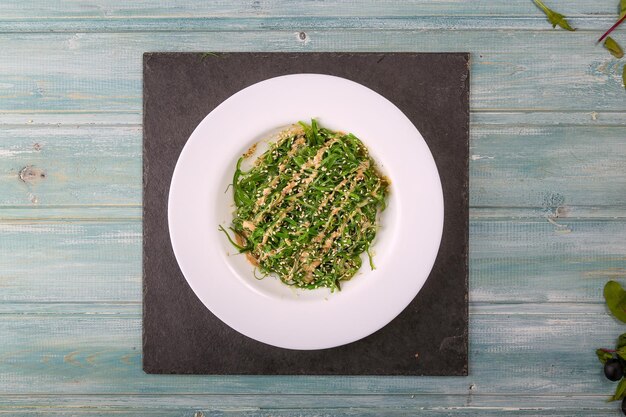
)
(267, 310)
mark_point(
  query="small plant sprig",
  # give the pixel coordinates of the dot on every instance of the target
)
(614, 360)
(610, 44)
(557, 19)
(612, 28)
(613, 47)
(307, 209)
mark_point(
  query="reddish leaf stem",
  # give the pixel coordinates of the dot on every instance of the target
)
(619, 22)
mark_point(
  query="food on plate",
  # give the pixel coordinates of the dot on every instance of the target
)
(308, 207)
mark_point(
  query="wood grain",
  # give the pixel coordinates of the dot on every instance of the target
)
(75, 165)
(69, 261)
(312, 405)
(592, 23)
(541, 354)
(57, 118)
(549, 167)
(102, 71)
(511, 261)
(547, 192)
(46, 9)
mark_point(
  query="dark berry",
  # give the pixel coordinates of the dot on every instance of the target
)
(613, 370)
(624, 406)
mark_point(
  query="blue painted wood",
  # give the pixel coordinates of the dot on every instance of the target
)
(198, 24)
(532, 352)
(511, 260)
(102, 71)
(46, 9)
(312, 405)
(478, 118)
(511, 166)
(548, 164)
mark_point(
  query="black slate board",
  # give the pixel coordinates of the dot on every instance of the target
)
(181, 336)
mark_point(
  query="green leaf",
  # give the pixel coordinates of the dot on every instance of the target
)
(240, 248)
(206, 55)
(557, 19)
(315, 133)
(236, 175)
(615, 297)
(622, 8)
(621, 353)
(603, 355)
(621, 341)
(613, 47)
(620, 391)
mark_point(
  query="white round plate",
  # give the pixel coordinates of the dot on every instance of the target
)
(266, 309)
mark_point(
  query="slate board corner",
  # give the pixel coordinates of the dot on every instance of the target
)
(181, 336)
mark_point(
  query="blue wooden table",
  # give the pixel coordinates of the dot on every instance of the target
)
(548, 203)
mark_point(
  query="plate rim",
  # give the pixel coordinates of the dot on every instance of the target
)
(176, 174)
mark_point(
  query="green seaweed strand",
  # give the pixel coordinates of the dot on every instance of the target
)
(307, 209)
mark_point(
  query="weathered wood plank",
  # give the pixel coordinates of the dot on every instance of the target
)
(543, 119)
(549, 354)
(511, 70)
(83, 213)
(132, 309)
(510, 261)
(478, 118)
(110, 213)
(43, 9)
(73, 165)
(530, 261)
(132, 212)
(543, 167)
(126, 309)
(312, 405)
(550, 168)
(317, 412)
(70, 261)
(537, 21)
(77, 118)
(548, 213)
(299, 412)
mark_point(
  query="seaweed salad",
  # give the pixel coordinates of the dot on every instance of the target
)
(307, 209)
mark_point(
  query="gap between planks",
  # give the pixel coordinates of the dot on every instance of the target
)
(440, 402)
(17, 9)
(42, 214)
(133, 309)
(536, 22)
(478, 117)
